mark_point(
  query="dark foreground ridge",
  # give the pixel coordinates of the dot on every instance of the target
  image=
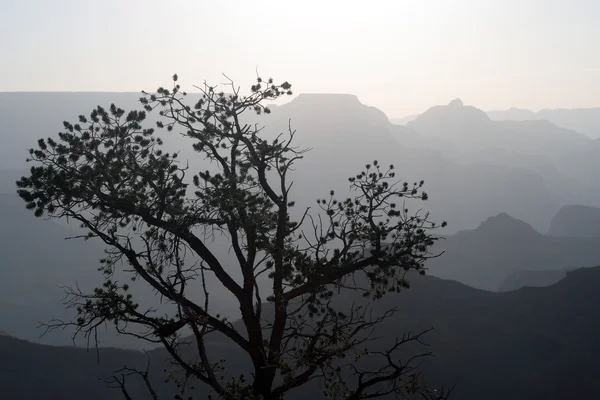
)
(531, 343)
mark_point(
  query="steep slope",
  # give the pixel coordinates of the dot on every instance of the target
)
(502, 245)
(576, 221)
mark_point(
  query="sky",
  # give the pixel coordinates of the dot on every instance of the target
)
(398, 55)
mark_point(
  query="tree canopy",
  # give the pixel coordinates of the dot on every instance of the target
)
(157, 218)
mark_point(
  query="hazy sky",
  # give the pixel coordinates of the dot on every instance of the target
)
(401, 56)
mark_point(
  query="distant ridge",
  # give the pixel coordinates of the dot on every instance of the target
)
(502, 246)
(520, 279)
(505, 224)
(582, 120)
(576, 221)
(344, 104)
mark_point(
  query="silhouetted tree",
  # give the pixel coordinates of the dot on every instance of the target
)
(110, 174)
